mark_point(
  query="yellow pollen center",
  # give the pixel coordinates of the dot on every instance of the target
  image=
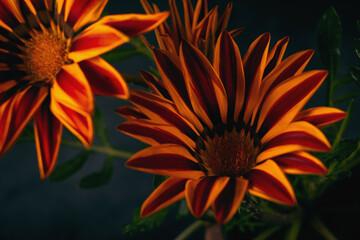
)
(45, 54)
(232, 154)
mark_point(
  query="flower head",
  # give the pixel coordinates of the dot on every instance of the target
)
(221, 130)
(201, 27)
(50, 68)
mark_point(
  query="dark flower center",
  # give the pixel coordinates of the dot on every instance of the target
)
(45, 54)
(232, 154)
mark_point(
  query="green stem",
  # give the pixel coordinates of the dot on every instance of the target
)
(344, 124)
(268, 232)
(107, 150)
(189, 230)
(319, 226)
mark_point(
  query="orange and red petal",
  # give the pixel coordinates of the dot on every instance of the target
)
(134, 24)
(130, 113)
(275, 55)
(283, 103)
(71, 88)
(170, 191)
(103, 78)
(206, 91)
(94, 41)
(166, 159)
(200, 194)
(298, 136)
(24, 105)
(321, 116)
(300, 163)
(229, 200)
(155, 84)
(77, 121)
(48, 132)
(269, 182)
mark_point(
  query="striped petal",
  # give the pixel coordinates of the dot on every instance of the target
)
(275, 55)
(155, 84)
(71, 88)
(298, 136)
(104, 79)
(254, 66)
(171, 190)
(24, 105)
(134, 24)
(320, 116)
(229, 200)
(200, 194)
(300, 163)
(155, 133)
(48, 132)
(130, 113)
(228, 64)
(5, 118)
(206, 91)
(269, 182)
(166, 159)
(84, 12)
(77, 121)
(94, 41)
(283, 103)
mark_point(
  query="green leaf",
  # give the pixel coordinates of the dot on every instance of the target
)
(145, 224)
(183, 210)
(69, 168)
(343, 150)
(358, 25)
(347, 96)
(329, 38)
(355, 74)
(294, 230)
(120, 54)
(268, 232)
(357, 46)
(101, 127)
(343, 81)
(158, 179)
(98, 179)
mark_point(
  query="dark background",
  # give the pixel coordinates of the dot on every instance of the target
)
(34, 209)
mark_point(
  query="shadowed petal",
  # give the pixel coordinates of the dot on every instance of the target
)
(48, 132)
(200, 194)
(320, 116)
(300, 163)
(229, 200)
(130, 113)
(5, 118)
(166, 159)
(296, 137)
(269, 182)
(275, 55)
(104, 79)
(94, 41)
(283, 103)
(77, 121)
(155, 84)
(134, 24)
(171, 190)
(72, 88)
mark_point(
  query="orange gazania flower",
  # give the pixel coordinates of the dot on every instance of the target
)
(50, 68)
(223, 129)
(201, 27)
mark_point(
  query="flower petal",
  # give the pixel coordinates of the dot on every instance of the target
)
(155, 84)
(171, 190)
(283, 103)
(130, 113)
(155, 133)
(24, 106)
(228, 64)
(48, 132)
(206, 91)
(297, 136)
(104, 79)
(320, 116)
(229, 200)
(275, 55)
(94, 41)
(77, 121)
(166, 159)
(5, 118)
(300, 163)
(269, 182)
(134, 24)
(200, 194)
(71, 88)
(254, 66)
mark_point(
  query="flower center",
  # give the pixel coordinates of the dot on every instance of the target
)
(232, 154)
(45, 54)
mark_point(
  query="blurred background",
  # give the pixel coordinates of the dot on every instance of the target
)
(35, 209)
